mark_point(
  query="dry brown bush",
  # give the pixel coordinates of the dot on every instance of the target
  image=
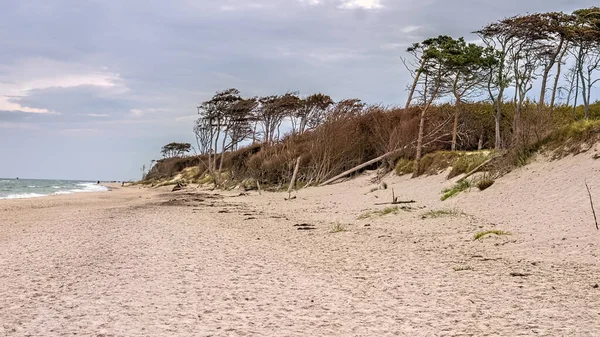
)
(350, 137)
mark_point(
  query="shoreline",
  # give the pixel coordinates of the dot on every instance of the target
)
(144, 261)
(33, 195)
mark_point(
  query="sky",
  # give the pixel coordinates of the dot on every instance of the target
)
(92, 89)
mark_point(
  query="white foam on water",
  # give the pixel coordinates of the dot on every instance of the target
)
(90, 187)
(23, 196)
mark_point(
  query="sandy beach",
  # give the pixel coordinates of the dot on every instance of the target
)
(149, 262)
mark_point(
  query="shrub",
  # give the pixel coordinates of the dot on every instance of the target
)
(433, 163)
(485, 183)
(468, 162)
(404, 166)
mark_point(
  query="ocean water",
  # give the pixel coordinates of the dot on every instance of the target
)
(32, 188)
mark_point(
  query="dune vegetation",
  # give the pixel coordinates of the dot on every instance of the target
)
(526, 88)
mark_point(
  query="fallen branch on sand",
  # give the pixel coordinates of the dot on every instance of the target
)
(592, 204)
(363, 165)
(397, 202)
(475, 170)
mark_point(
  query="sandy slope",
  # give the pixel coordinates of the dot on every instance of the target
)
(138, 262)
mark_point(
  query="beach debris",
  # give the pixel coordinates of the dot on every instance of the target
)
(395, 200)
(596, 286)
(517, 274)
(363, 165)
(179, 186)
(305, 227)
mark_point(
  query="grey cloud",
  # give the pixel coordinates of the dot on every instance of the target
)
(171, 55)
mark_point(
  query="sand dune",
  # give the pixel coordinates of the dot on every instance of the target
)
(146, 262)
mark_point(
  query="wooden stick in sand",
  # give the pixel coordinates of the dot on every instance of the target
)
(592, 204)
(293, 182)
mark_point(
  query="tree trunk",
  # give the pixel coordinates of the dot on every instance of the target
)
(546, 73)
(480, 142)
(216, 146)
(584, 92)
(557, 77)
(363, 165)
(222, 158)
(413, 87)
(497, 120)
(455, 125)
(419, 154)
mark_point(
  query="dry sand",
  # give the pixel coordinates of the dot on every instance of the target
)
(146, 262)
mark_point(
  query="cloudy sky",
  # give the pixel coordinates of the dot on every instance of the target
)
(91, 89)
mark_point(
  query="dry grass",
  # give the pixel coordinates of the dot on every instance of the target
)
(442, 213)
(462, 268)
(480, 235)
(454, 190)
(383, 212)
(338, 228)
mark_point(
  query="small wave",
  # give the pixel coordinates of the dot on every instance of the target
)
(90, 187)
(56, 187)
(23, 196)
(62, 192)
(85, 187)
(32, 186)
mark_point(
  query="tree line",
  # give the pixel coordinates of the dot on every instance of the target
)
(487, 86)
(514, 54)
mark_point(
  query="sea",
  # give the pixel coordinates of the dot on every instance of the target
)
(33, 188)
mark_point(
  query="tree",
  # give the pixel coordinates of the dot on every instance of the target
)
(433, 84)
(312, 111)
(585, 37)
(509, 37)
(202, 132)
(173, 150)
(271, 112)
(215, 114)
(466, 64)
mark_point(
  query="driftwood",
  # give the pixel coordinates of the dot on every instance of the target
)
(293, 182)
(258, 186)
(592, 204)
(363, 165)
(397, 202)
(475, 170)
